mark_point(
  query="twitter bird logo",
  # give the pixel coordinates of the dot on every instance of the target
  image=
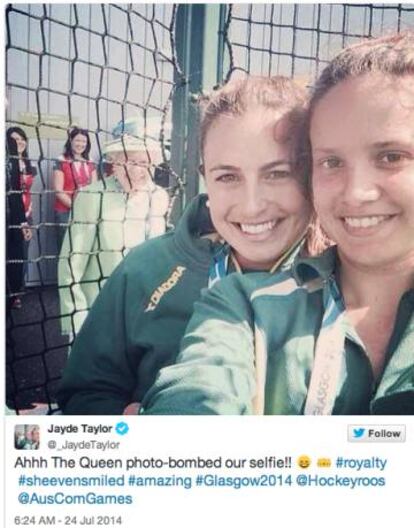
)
(359, 433)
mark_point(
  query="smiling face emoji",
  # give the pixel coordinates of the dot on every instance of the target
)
(304, 461)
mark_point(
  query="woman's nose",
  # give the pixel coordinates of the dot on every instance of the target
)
(360, 186)
(253, 201)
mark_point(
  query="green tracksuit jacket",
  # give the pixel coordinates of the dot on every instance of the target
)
(250, 348)
(136, 323)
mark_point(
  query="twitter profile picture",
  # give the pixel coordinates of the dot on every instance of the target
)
(26, 437)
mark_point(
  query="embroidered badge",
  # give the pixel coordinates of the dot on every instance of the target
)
(164, 288)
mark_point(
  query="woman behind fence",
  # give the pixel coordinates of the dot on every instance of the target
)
(254, 217)
(20, 174)
(109, 218)
(72, 172)
(335, 334)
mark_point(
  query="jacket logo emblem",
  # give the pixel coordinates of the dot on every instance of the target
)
(164, 288)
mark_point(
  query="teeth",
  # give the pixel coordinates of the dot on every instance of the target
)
(365, 221)
(254, 229)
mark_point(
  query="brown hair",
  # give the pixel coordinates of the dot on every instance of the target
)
(275, 94)
(391, 55)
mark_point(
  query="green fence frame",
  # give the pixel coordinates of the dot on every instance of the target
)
(200, 48)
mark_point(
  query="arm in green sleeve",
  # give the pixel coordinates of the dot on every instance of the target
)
(215, 370)
(100, 375)
(74, 257)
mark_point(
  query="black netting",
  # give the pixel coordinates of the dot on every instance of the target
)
(94, 66)
(90, 66)
(295, 40)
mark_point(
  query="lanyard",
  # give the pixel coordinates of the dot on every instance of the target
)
(220, 262)
(219, 265)
(329, 355)
(330, 343)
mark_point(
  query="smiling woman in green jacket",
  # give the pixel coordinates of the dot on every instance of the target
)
(335, 334)
(255, 217)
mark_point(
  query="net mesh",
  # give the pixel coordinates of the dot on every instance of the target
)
(94, 66)
(296, 40)
(91, 66)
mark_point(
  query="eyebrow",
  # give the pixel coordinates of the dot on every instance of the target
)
(266, 167)
(392, 143)
(377, 144)
(324, 150)
(222, 167)
(275, 164)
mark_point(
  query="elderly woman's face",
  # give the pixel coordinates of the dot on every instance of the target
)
(132, 167)
(362, 135)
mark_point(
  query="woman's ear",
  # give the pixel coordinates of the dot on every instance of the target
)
(201, 171)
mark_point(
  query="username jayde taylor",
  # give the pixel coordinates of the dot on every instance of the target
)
(82, 428)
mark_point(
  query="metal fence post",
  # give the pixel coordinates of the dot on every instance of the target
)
(197, 47)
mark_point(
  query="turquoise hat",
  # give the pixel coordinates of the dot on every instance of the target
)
(134, 134)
